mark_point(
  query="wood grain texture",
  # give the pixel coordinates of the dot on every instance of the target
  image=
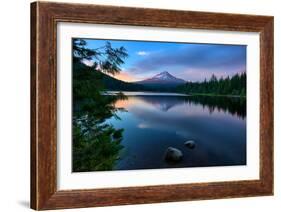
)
(44, 18)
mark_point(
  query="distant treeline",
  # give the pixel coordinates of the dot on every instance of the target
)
(235, 85)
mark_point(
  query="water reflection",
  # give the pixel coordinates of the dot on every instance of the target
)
(232, 105)
(152, 123)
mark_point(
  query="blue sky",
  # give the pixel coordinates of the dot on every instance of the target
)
(189, 61)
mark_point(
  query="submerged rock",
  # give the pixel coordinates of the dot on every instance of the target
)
(173, 154)
(190, 144)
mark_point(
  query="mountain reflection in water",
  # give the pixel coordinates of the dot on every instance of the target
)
(152, 123)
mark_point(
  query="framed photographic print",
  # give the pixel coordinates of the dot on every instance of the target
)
(136, 105)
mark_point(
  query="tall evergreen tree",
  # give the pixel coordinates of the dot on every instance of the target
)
(96, 145)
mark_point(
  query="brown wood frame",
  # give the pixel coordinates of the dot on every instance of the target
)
(44, 19)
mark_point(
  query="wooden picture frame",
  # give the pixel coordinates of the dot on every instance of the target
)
(44, 19)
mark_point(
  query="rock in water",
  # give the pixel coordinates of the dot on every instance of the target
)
(173, 154)
(190, 144)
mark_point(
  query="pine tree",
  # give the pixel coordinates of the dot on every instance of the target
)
(96, 145)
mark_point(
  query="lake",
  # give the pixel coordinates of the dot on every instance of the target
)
(152, 122)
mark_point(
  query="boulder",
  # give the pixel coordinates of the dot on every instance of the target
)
(173, 154)
(190, 144)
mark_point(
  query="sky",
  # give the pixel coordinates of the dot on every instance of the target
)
(188, 61)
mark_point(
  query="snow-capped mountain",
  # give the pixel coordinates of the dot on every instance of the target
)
(163, 78)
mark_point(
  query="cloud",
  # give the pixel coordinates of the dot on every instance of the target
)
(197, 56)
(143, 126)
(142, 53)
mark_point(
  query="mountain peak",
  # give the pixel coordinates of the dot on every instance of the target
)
(165, 72)
(164, 75)
(163, 78)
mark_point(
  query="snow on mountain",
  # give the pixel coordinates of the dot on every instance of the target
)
(163, 78)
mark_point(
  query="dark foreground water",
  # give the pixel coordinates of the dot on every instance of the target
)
(154, 122)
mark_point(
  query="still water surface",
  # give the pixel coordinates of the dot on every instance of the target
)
(152, 122)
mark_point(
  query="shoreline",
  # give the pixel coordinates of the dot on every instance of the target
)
(153, 93)
(145, 93)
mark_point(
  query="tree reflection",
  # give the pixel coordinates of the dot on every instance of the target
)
(233, 105)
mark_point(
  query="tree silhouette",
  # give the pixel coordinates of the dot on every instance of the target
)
(96, 145)
(236, 85)
(105, 58)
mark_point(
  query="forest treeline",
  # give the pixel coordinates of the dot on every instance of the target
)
(235, 85)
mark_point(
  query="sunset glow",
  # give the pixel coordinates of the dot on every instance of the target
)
(125, 76)
(188, 61)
